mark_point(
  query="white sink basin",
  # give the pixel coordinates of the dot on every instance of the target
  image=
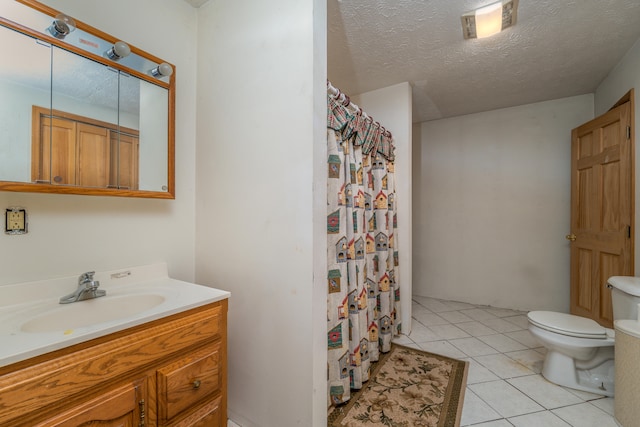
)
(67, 317)
(32, 322)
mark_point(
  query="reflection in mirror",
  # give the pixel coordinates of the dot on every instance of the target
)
(126, 142)
(24, 81)
(74, 121)
(154, 127)
(72, 146)
(82, 86)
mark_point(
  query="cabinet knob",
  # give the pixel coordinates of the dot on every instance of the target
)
(196, 384)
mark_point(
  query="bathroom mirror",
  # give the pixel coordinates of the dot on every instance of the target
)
(77, 118)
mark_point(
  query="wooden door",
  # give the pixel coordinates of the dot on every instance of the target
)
(122, 407)
(54, 152)
(601, 211)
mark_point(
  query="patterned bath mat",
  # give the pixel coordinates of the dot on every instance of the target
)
(407, 388)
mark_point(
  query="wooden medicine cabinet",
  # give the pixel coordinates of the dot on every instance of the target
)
(75, 116)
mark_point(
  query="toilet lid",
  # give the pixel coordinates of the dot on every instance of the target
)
(567, 324)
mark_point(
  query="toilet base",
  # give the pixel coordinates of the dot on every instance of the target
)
(561, 369)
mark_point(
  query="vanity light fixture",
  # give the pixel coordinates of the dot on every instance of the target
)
(489, 20)
(61, 26)
(118, 51)
(162, 70)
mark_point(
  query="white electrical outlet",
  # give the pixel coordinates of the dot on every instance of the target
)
(15, 221)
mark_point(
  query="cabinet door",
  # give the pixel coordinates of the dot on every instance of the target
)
(73, 150)
(124, 161)
(93, 156)
(54, 150)
(124, 406)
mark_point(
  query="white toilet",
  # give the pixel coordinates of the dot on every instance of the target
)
(579, 350)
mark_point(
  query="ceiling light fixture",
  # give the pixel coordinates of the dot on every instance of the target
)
(489, 20)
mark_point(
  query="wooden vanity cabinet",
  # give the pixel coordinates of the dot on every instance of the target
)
(123, 406)
(170, 372)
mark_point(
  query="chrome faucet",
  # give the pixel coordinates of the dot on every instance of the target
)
(87, 289)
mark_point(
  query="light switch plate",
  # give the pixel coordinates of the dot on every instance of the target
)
(15, 221)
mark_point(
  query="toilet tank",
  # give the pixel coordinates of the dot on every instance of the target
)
(625, 296)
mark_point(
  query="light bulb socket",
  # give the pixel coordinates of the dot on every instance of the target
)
(61, 26)
(162, 70)
(118, 51)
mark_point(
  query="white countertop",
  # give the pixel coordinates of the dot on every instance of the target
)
(20, 303)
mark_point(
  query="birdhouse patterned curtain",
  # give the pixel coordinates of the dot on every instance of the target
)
(363, 295)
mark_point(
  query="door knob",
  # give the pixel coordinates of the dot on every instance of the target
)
(571, 237)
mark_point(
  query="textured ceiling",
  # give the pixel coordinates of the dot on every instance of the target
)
(557, 49)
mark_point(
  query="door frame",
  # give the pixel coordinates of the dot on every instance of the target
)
(630, 98)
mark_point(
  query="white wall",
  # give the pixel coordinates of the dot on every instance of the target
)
(72, 234)
(392, 107)
(492, 205)
(261, 201)
(624, 77)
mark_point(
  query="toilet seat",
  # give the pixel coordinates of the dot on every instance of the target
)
(567, 324)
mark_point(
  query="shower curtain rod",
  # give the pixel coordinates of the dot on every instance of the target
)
(344, 99)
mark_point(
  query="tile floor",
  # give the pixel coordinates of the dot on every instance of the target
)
(504, 385)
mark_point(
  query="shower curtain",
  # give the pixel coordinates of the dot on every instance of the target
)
(363, 294)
